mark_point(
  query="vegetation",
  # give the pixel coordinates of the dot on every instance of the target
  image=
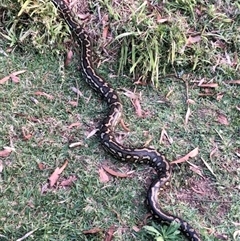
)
(152, 38)
(189, 50)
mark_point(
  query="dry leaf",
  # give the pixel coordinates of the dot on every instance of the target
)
(164, 133)
(190, 101)
(209, 85)
(41, 166)
(134, 98)
(193, 39)
(105, 32)
(138, 108)
(13, 76)
(77, 91)
(54, 177)
(105, 23)
(6, 152)
(161, 20)
(219, 96)
(79, 143)
(76, 124)
(124, 126)
(3, 80)
(114, 173)
(68, 58)
(26, 136)
(92, 133)
(68, 182)
(169, 93)
(222, 119)
(34, 119)
(187, 115)
(35, 101)
(73, 103)
(27, 235)
(103, 177)
(92, 231)
(1, 166)
(50, 97)
(191, 154)
(208, 167)
(44, 188)
(136, 229)
(109, 234)
(212, 153)
(196, 170)
(18, 72)
(234, 82)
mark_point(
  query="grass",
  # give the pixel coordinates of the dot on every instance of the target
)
(209, 202)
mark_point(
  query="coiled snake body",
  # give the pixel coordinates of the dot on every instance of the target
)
(141, 155)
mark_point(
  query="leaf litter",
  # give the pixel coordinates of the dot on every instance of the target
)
(55, 175)
(13, 76)
(115, 173)
(6, 152)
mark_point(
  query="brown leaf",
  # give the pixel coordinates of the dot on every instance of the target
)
(193, 39)
(109, 234)
(138, 107)
(105, 32)
(209, 85)
(73, 103)
(26, 136)
(75, 144)
(136, 229)
(190, 101)
(196, 170)
(161, 20)
(18, 72)
(1, 166)
(124, 126)
(76, 124)
(50, 97)
(68, 58)
(234, 82)
(191, 154)
(103, 177)
(6, 152)
(165, 134)
(187, 115)
(92, 231)
(13, 76)
(69, 181)
(41, 166)
(219, 96)
(92, 133)
(4, 79)
(55, 175)
(212, 153)
(222, 119)
(114, 173)
(134, 98)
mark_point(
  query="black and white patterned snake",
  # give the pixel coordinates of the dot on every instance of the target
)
(145, 155)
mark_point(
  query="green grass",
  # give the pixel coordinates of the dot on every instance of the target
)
(65, 213)
(210, 203)
(144, 39)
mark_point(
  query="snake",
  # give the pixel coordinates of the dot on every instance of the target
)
(106, 135)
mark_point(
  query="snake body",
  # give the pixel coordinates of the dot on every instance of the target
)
(106, 130)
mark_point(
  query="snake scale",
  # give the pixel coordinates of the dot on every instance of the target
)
(145, 155)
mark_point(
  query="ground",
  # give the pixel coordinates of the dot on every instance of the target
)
(47, 109)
